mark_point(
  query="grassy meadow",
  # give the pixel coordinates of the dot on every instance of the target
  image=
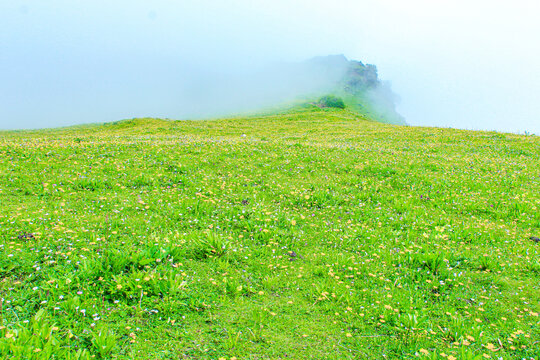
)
(309, 234)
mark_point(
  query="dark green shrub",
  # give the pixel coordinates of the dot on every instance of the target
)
(331, 101)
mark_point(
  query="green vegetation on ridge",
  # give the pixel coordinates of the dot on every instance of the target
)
(359, 86)
(331, 101)
(309, 234)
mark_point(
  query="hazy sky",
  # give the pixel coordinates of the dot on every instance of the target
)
(467, 64)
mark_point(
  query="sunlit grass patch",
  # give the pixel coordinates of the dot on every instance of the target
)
(309, 234)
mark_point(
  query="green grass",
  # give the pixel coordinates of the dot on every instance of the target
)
(309, 234)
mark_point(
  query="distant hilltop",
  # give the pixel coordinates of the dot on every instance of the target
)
(358, 84)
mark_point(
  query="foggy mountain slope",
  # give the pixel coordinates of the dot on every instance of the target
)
(224, 94)
(366, 93)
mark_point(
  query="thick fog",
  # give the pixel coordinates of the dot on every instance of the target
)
(465, 64)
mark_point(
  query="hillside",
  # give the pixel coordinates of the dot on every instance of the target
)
(313, 233)
(359, 85)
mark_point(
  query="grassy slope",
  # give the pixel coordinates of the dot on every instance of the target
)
(314, 234)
